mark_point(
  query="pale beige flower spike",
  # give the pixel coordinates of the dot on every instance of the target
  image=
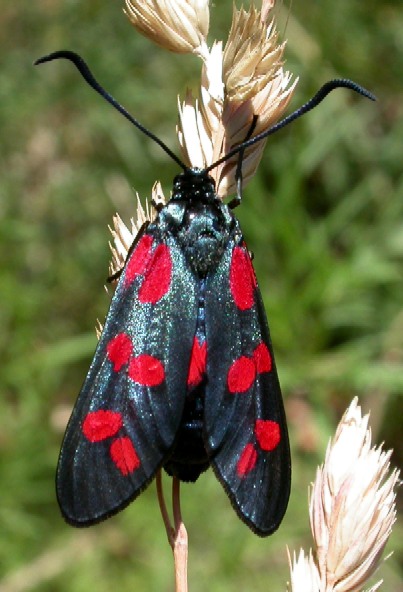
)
(243, 81)
(352, 510)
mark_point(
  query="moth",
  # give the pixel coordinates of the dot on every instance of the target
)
(184, 375)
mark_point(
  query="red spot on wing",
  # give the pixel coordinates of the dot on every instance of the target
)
(100, 425)
(139, 260)
(267, 433)
(262, 358)
(198, 359)
(157, 278)
(242, 279)
(124, 455)
(119, 350)
(247, 460)
(146, 370)
(241, 375)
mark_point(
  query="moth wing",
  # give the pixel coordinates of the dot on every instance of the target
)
(245, 427)
(127, 414)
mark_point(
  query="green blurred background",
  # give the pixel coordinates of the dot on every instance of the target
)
(324, 218)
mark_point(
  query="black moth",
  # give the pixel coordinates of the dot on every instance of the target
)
(183, 375)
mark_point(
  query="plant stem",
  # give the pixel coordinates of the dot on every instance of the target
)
(177, 534)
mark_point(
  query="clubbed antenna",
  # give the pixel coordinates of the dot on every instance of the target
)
(313, 102)
(86, 73)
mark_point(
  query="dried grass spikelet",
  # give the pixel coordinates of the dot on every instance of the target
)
(200, 129)
(180, 26)
(244, 80)
(352, 510)
(304, 573)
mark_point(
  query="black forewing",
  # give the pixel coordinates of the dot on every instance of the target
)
(90, 487)
(259, 496)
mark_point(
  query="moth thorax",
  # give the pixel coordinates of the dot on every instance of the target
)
(203, 236)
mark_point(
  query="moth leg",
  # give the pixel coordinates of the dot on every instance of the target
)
(157, 205)
(238, 173)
